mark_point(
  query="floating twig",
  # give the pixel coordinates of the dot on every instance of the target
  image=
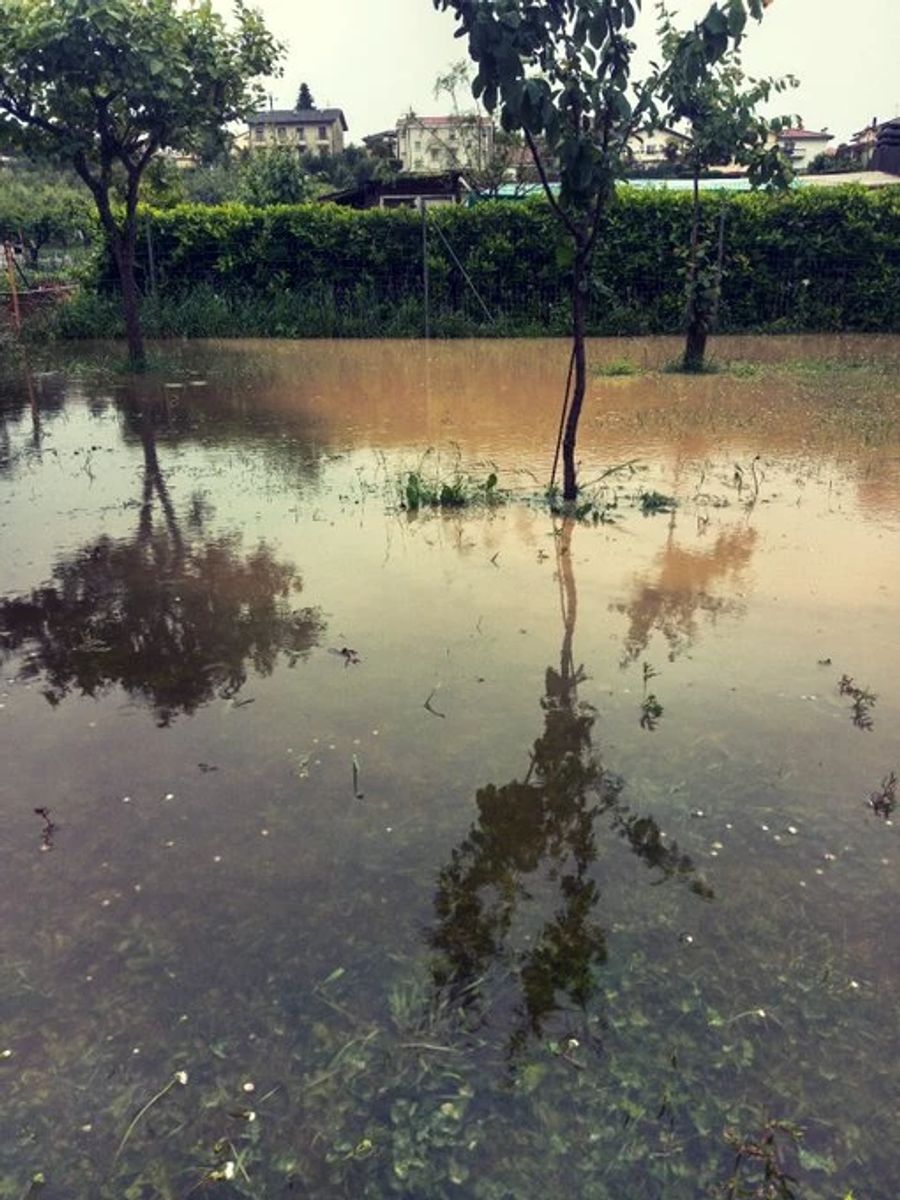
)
(427, 705)
(863, 702)
(178, 1077)
(883, 801)
(48, 830)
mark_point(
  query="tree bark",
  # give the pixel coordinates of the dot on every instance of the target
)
(579, 323)
(697, 329)
(123, 250)
(123, 242)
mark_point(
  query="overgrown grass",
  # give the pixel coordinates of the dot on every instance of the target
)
(317, 312)
(616, 367)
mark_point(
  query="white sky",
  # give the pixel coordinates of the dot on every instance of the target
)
(376, 59)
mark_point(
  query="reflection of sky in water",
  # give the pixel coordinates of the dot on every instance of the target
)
(188, 557)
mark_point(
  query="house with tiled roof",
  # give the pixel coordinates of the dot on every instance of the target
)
(434, 145)
(309, 130)
(802, 145)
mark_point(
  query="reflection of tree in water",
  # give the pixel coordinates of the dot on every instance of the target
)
(169, 615)
(42, 395)
(538, 834)
(682, 588)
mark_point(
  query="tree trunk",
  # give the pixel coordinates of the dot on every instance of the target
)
(579, 321)
(697, 329)
(123, 250)
(695, 347)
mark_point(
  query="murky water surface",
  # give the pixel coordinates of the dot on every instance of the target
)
(482, 854)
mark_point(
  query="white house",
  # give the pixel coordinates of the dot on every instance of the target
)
(652, 147)
(434, 145)
(802, 145)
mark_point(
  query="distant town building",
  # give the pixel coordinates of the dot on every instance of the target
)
(438, 144)
(863, 143)
(802, 145)
(653, 147)
(310, 130)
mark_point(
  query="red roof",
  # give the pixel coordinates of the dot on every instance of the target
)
(808, 134)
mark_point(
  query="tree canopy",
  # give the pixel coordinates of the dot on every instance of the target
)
(304, 98)
(105, 85)
(561, 72)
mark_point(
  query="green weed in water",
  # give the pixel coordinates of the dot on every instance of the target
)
(657, 502)
(460, 491)
(616, 367)
(651, 711)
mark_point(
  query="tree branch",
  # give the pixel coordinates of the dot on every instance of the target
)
(554, 204)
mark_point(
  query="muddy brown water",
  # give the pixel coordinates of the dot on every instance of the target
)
(564, 876)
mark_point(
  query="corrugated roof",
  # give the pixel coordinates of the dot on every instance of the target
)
(303, 116)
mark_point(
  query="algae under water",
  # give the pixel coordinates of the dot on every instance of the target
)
(339, 854)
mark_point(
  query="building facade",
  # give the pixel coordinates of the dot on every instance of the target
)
(802, 145)
(653, 147)
(307, 130)
(434, 145)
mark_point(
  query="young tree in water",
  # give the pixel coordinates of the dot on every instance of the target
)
(304, 99)
(560, 72)
(718, 112)
(104, 86)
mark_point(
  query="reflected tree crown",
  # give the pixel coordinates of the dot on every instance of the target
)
(534, 847)
(171, 615)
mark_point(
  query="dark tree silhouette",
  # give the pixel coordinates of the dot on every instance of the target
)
(533, 834)
(170, 616)
(304, 99)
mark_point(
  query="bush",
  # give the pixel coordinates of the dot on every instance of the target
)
(811, 260)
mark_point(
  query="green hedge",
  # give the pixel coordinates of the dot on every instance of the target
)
(811, 260)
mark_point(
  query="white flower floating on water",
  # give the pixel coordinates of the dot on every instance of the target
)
(182, 1077)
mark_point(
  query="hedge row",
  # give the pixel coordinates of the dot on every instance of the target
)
(811, 260)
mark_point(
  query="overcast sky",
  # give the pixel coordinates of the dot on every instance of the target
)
(376, 59)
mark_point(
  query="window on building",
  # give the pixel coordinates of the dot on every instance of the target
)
(281, 133)
(434, 153)
(323, 133)
(259, 133)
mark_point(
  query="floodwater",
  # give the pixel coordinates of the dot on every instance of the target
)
(469, 854)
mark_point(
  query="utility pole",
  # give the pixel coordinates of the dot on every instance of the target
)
(425, 296)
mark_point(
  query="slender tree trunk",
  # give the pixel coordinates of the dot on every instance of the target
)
(123, 243)
(697, 328)
(124, 252)
(579, 322)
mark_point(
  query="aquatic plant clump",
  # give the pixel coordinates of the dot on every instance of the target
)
(459, 491)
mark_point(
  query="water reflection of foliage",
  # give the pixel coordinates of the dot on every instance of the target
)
(535, 834)
(42, 395)
(168, 615)
(682, 588)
